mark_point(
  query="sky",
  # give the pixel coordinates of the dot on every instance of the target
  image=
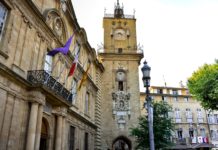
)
(178, 36)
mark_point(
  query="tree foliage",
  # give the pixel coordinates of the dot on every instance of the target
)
(203, 85)
(162, 126)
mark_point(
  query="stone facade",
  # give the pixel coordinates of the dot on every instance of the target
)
(191, 120)
(40, 106)
(120, 93)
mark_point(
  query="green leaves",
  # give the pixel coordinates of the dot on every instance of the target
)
(203, 85)
(162, 124)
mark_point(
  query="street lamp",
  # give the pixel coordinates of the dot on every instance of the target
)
(146, 81)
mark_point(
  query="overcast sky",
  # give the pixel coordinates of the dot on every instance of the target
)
(178, 36)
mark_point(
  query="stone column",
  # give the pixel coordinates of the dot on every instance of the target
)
(31, 134)
(58, 133)
(63, 133)
(38, 127)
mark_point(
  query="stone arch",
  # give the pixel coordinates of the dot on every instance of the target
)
(44, 139)
(56, 23)
(121, 143)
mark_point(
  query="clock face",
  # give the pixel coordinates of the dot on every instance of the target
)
(120, 76)
(120, 34)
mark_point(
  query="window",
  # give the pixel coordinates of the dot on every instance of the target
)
(48, 64)
(164, 98)
(216, 134)
(87, 103)
(188, 115)
(74, 89)
(175, 99)
(213, 134)
(159, 91)
(211, 118)
(177, 116)
(120, 50)
(76, 48)
(199, 116)
(186, 99)
(202, 130)
(86, 142)
(71, 138)
(3, 15)
(191, 133)
(179, 132)
(175, 92)
(216, 118)
(120, 86)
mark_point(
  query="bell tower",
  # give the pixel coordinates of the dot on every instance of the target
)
(120, 80)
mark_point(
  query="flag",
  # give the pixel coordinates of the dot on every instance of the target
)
(63, 50)
(74, 65)
(85, 75)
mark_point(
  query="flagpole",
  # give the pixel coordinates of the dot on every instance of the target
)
(85, 75)
(67, 78)
(64, 50)
(74, 57)
(57, 79)
(70, 90)
(68, 73)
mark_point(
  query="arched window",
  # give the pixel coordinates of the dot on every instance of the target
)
(120, 85)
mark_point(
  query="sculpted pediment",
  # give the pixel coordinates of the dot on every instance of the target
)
(56, 23)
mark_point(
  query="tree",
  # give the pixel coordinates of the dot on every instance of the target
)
(203, 85)
(162, 124)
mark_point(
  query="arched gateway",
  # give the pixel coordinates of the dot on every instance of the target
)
(122, 143)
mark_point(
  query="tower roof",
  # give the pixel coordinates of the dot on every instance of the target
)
(118, 11)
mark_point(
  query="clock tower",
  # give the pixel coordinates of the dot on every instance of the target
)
(120, 91)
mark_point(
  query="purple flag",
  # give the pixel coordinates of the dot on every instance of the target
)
(63, 50)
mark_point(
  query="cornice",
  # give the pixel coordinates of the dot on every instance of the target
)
(7, 72)
(121, 57)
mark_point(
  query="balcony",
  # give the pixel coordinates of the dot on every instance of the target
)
(42, 78)
(123, 51)
(181, 141)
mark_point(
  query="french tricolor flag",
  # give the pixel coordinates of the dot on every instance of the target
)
(74, 65)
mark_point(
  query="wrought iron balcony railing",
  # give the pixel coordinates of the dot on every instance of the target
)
(125, 16)
(181, 141)
(41, 77)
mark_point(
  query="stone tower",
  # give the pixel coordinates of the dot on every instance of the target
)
(120, 90)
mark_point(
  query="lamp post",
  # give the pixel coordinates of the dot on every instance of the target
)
(146, 81)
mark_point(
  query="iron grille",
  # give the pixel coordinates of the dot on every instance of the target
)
(41, 77)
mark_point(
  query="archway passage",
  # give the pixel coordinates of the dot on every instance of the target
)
(44, 135)
(122, 143)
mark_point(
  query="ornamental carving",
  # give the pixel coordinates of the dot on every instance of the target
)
(120, 101)
(55, 22)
